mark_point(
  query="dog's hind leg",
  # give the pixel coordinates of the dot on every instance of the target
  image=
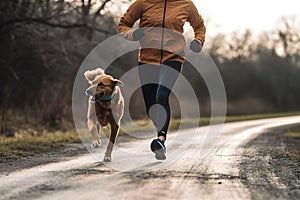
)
(112, 138)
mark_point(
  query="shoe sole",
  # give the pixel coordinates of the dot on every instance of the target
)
(158, 149)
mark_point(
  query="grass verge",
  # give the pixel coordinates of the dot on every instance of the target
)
(31, 145)
(146, 125)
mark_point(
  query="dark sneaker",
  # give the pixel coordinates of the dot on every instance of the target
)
(158, 147)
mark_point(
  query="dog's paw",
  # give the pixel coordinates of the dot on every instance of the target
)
(96, 143)
(107, 159)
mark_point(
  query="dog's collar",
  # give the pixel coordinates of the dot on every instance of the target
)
(107, 99)
(93, 99)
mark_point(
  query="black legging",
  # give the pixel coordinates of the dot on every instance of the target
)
(157, 83)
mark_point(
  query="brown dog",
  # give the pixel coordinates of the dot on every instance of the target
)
(106, 106)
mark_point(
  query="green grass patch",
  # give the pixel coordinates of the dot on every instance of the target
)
(259, 116)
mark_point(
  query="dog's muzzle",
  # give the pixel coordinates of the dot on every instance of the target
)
(89, 92)
(99, 96)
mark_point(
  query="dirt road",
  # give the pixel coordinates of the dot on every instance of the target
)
(189, 175)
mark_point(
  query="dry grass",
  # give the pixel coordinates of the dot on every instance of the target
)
(292, 132)
(187, 123)
(292, 135)
(30, 145)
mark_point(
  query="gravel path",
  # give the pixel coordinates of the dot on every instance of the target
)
(244, 163)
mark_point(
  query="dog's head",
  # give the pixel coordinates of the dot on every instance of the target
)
(102, 87)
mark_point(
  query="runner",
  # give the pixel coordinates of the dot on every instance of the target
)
(158, 64)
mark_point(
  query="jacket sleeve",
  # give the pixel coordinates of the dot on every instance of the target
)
(133, 13)
(197, 23)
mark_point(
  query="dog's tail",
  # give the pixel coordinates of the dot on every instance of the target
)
(91, 74)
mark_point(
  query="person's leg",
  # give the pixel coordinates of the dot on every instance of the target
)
(149, 75)
(168, 75)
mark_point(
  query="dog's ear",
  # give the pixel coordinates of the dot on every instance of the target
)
(90, 75)
(117, 82)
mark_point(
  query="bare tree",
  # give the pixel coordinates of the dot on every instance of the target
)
(287, 38)
(52, 13)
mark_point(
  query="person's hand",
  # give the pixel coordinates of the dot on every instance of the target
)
(195, 46)
(138, 34)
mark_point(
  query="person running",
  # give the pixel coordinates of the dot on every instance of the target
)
(161, 54)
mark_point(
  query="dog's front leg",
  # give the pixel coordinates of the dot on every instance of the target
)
(92, 126)
(112, 138)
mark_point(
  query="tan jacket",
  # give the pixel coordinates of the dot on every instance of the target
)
(168, 14)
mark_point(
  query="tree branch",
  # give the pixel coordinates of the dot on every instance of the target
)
(101, 8)
(51, 24)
